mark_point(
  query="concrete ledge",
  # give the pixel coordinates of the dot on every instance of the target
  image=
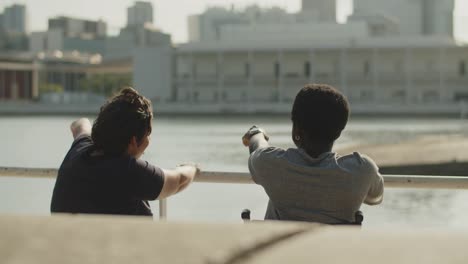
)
(353, 246)
(99, 239)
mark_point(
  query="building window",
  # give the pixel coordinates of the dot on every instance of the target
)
(399, 94)
(194, 70)
(366, 95)
(430, 66)
(461, 97)
(336, 66)
(277, 70)
(398, 66)
(431, 96)
(307, 69)
(462, 68)
(247, 70)
(366, 68)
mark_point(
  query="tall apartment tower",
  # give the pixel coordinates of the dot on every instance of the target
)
(140, 13)
(15, 19)
(324, 10)
(438, 17)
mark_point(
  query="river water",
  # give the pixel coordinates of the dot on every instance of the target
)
(214, 142)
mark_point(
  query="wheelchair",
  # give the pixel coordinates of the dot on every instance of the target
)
(358, 216)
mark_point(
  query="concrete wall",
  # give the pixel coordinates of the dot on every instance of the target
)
(403, 75)
(153, 72)
(46, 41)
(84, 45)
(119, 47)
(301, 32)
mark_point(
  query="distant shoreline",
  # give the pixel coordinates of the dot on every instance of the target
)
(232, 109)
(439, 169)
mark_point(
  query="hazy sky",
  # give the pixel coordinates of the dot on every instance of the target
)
(170, 15)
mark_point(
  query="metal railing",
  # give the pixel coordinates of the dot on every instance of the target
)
(391, 181)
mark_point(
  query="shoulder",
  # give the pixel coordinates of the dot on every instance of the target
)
(265, 159)
(273, 158)
(79, 146)
(268, 153)
(143, 167)
(82, 141)
(358, 162)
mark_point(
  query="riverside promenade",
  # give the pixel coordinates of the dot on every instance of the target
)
(103, 239)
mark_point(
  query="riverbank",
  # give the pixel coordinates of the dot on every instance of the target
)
(242, 108)
(428, 155)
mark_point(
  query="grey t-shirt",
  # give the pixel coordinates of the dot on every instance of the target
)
(328, 189)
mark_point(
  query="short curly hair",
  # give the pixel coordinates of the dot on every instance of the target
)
(128, 114)
(321, 111)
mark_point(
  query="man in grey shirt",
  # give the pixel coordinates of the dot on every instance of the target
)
(310, 182)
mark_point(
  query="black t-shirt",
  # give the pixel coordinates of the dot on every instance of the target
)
(97, 184)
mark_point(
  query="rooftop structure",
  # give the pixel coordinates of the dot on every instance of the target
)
(325, 10)
(140, 13)
(421, 17)
(217, 23)
(81, 28)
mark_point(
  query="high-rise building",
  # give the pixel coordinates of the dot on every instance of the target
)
(325, 10)
(15, 19)
(438, 17)
(140, 13)
(73, 27)
(407, 14)
(70, 34)
(215, 22)
(413, 17)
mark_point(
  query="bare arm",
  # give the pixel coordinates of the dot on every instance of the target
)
(376, 191)
(257, 141)
(81, 127)
(177, 180)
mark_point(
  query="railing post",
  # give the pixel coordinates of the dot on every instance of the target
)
(163, 209)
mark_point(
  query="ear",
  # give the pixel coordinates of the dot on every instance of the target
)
(132, 145)
(295, 132)
(134, 141)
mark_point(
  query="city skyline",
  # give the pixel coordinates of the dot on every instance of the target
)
(115, 15)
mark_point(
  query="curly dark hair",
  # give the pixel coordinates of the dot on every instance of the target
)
(321, 112)
(128, 114)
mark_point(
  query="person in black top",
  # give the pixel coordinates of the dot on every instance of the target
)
(102, 172)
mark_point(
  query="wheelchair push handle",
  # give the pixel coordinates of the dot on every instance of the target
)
(245, 215)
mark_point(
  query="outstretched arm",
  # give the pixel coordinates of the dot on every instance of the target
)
(81, 127)
(376, 191)
(178, 179)
(255, 138)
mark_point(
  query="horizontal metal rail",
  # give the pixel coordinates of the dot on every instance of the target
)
(391, 181)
